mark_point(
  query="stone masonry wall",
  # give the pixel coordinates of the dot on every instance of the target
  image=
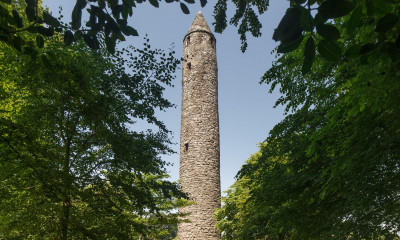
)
(199, 146)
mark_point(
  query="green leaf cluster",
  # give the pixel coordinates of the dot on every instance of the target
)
(316, 21)
(245, 18)
(106, 18)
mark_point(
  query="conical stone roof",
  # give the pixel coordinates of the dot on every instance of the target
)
(199, 24)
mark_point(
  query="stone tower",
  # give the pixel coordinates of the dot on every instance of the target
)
(199, 151)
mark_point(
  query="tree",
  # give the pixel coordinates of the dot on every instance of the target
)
(73, 162)
(329, 170)
(239, 218)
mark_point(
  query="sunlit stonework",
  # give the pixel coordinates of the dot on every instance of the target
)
(199, 146)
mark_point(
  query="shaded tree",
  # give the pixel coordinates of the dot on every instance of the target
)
(329, 170)
(74, 164)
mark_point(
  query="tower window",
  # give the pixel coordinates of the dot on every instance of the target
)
(186, 146)
(188, 41)
(211, 40)
(189, 66)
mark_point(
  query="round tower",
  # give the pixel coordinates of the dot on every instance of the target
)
(199, 168)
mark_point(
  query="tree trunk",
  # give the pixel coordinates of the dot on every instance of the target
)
(65, 217)
(64, 224)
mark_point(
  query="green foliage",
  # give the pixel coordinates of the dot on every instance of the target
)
(73, 162)
(239, 218)
(329, 170)
(107, 18)
(309, 18)
(245, 17)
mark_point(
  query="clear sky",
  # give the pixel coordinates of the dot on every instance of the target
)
(245, 107)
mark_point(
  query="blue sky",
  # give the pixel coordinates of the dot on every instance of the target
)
(245, 107)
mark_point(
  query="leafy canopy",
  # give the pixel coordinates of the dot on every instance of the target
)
(73, 162)
(329, 170)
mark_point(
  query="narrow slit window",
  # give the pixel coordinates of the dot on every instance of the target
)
(189, 66)
(188, 41)
(211, 40)
(186, 146)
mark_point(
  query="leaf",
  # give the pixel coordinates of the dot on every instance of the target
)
(328, 31)
(309, 56)
(17, 18)
(203, 3)
(30, 13)
(101, 3)
(189, 1)
(300, 1)
(391, 1)
(50, 20)
(107, 28)
(6, 1)
(354, 20)
(291, 46)
(116, 10)
(154, 3)
(48, 32)
(364, 59)
(30, 51)
(335, 8)
(112, 25)
(39, 41)
(386, 23)
(45, 60)
(306, 19)
(88, 40)
(76, 18)
(392, 50)
(382, 7)
(319, 19)
(5, 37)
(370, 7)
(122, 22)
(32, 29)
(31, 3)
(17, 42)
(129, 31)
(68, 37)
(184, 8)
(367, 48)
(289, 26)
(353, 51)
(130, 12)
(96, 42)
(329, 50)
(120, 36)
(77, 35)
(169, 1)
(125, 12)
(110, 44)
(306, 67)
(81, 4)
(309, 49)
(362, 107)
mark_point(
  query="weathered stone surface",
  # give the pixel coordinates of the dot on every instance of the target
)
(199, 146)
